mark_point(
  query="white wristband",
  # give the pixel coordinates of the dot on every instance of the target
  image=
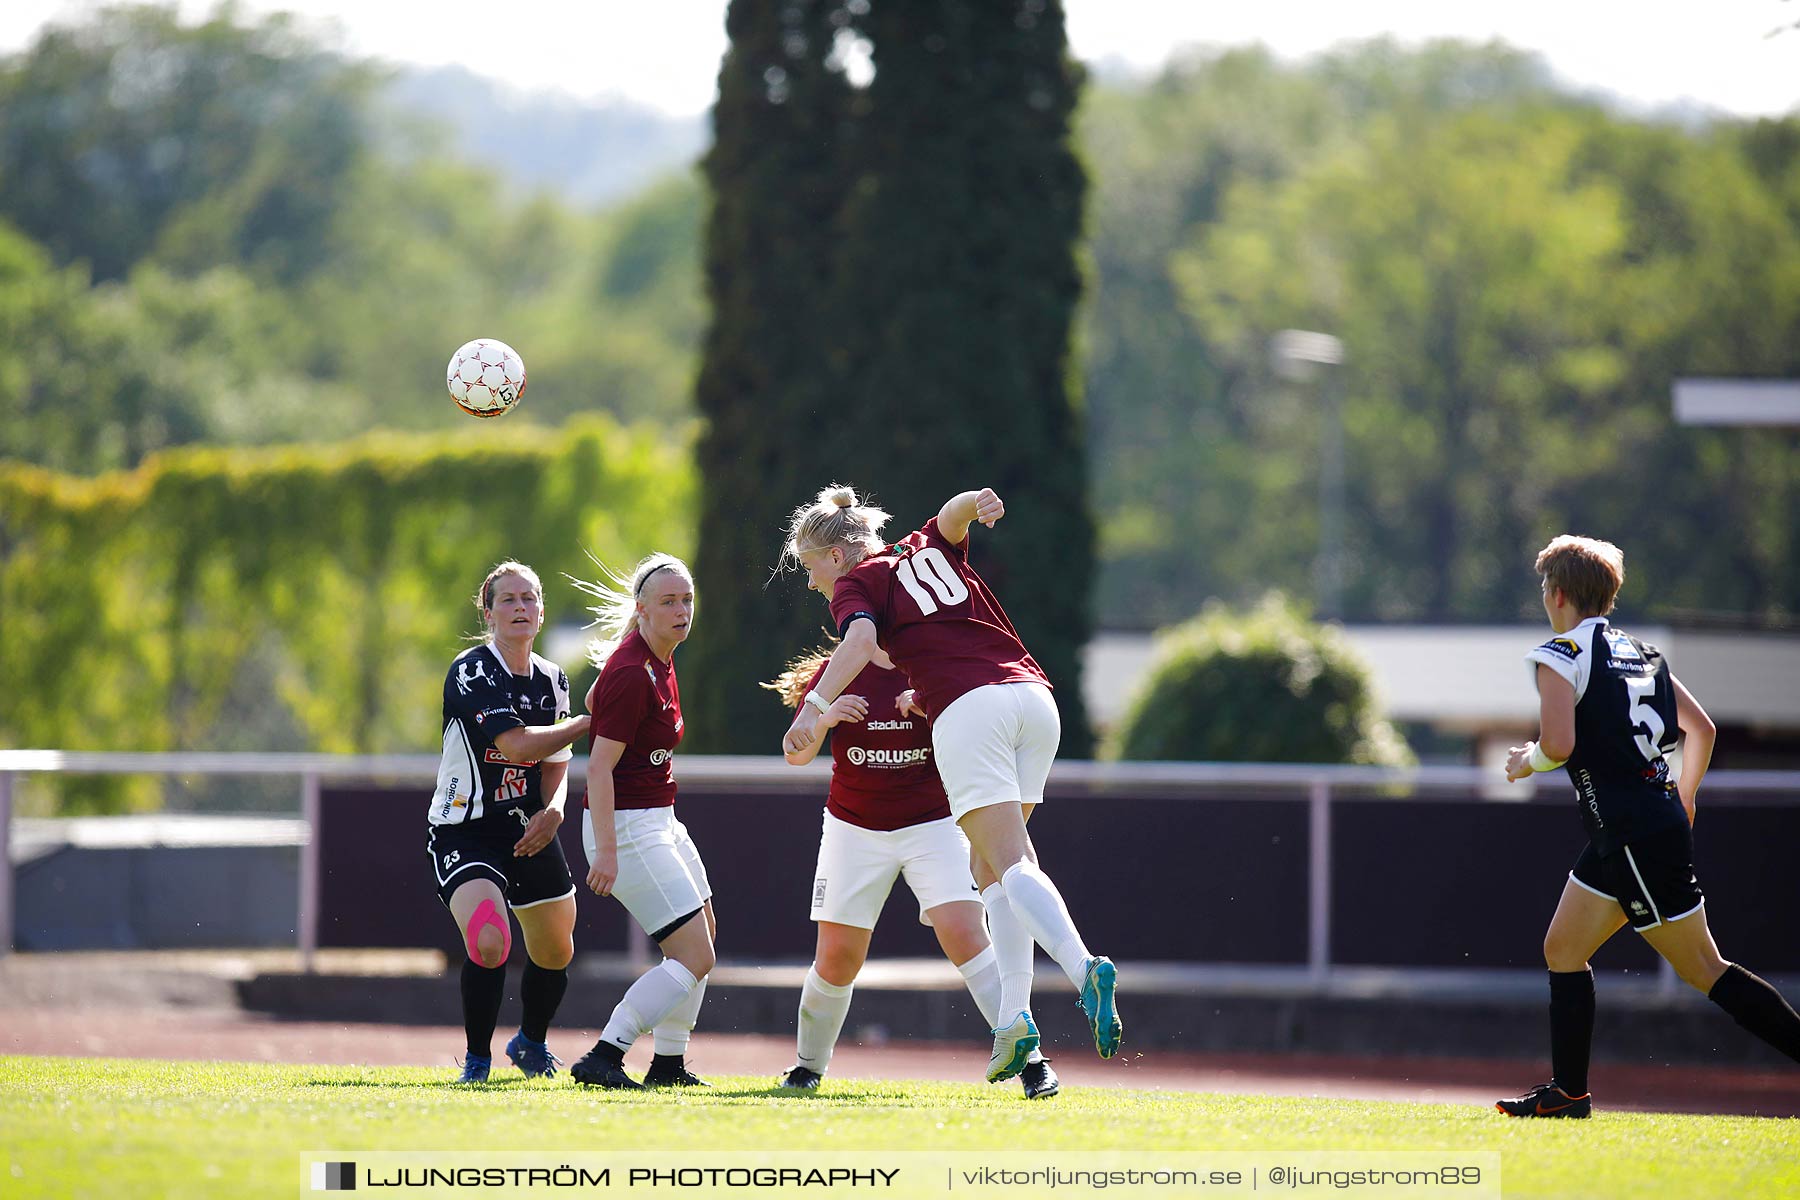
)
(1540, 761)
(819, 702)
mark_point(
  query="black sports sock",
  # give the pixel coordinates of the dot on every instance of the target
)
(1571, 1029)
(1758, 1007)
(540, 991)
(482, 989)
(609, 1052)
(668, 1062)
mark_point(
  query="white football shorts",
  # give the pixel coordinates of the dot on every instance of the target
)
(857, 868)
(994, 745)
(661, 876)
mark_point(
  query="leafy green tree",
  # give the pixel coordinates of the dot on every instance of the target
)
(1467, 277)
(134, 135)
(1179, 441)
(1519, 277)
(958, 291)
(268, 255)
(777, 178)
(103, 376)
(1713, 229)
(1263, 685)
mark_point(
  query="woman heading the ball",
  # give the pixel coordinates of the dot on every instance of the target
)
(502, 783)
(638, 852)
(994, 728)
(886, 815)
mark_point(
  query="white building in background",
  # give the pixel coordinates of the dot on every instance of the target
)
(1470, 682)
(1469, 685)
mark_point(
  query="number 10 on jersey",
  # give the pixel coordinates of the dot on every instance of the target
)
(929, 569)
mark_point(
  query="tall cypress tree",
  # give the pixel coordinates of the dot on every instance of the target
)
(777, 179)
(894, 279)
(959, 288)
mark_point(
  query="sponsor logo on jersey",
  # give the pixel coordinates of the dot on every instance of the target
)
(1590, 799)
(1621, 647)
(1568, 648)
(659, 756)
(482, 715)
(860, 757)
(494, 756)
(888, 725)
(465, 677)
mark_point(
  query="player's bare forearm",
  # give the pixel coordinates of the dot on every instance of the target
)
(810, 751)
(1698, 736)
(847, 661)
(601, 761)
(556, 786)
(539, 832)
(604, 871)
(964, 509)
(534, 743)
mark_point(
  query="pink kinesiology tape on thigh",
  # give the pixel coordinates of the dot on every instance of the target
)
(487, 913)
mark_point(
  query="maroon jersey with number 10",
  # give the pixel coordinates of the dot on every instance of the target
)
(935, 618)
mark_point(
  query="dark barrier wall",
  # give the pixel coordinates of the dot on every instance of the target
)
(157, 897)
(1445, 881)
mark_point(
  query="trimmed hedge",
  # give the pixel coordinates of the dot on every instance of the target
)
(1263, 685)
(301, 598)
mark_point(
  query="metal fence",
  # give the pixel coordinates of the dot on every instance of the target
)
(1325, 790)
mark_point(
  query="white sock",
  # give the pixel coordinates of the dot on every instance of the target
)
(1040, 908)
(672, 1031)
(1013, 952)
(657, 993)
(982, 974)
(823, 1007)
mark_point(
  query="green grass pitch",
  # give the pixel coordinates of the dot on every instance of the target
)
(130, 1128)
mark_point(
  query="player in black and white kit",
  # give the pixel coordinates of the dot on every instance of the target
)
(1610, 710)
(501, 786)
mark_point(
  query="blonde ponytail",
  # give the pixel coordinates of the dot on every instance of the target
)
(616, 613)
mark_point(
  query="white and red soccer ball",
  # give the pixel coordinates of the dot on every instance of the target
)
(486, 377)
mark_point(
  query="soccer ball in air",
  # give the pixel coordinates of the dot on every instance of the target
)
(486, 377)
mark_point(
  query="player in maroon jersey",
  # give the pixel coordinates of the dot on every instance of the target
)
(886, 815)
(637, 850)
(502, 780)
(994, 724)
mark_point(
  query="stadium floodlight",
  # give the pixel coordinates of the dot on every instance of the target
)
(1302, 356)
(1718, 401)
(1298, 355)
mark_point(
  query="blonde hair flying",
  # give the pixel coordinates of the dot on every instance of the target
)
(615, 614)
(790, 685)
